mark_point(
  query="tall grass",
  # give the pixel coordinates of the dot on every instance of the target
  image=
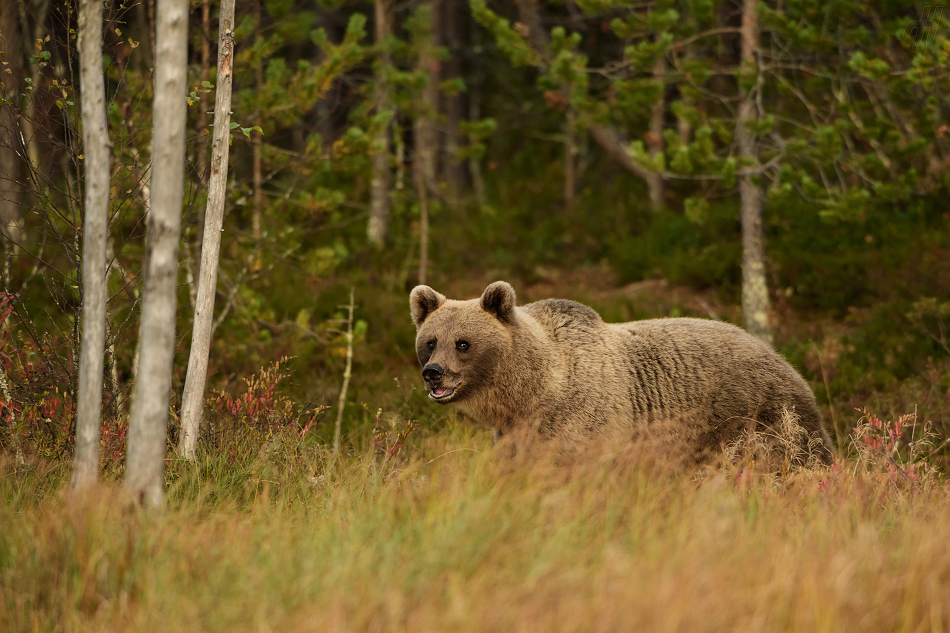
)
(450, 535)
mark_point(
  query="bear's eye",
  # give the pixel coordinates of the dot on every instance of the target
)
(461, 346)
(431, 345)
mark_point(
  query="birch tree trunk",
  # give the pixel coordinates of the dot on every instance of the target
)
(149, 417)
(192, 399)
(755, 291)
(95, 230)
(379, 210)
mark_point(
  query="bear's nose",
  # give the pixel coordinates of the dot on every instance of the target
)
(432, 372)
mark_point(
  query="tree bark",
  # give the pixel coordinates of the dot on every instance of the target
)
(475, 114)
(95, 231)
(425, 132)
(655, 181)
(145, 19)
(452, 36)
(205, 75)
(192, 399)
(257, 143)
(149, 417)
(347, 373)
(531, 19)
(37, 19)
(201, 149)
(11, 210)
(379, 210)
(423, 223)
(424, 167)
(755, 292)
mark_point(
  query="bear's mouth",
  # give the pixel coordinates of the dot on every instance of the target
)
(442, 393)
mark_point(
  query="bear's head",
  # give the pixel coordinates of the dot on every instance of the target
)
(461, 344)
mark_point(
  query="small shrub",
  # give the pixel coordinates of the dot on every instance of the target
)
(889, 447)
(260, 421)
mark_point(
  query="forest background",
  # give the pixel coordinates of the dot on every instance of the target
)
(631, 156)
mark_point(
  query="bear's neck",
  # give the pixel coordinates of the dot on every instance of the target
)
(517, 394)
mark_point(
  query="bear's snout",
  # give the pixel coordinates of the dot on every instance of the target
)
(432, 372)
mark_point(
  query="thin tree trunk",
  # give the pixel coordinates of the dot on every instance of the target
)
(423, 223)
(38, 12)
(192, 399)
(341, 401)
(424, 165)
(95, 231)
(145, 18)
(755, 292)
(426, 139)
(655, 180)
(118, 398)
(256, 143)
(11, 211)
(531, 19)
(201, 149)
(379, 210)
(205, 75)
(149, 417)
(452, 36)
(475, 114)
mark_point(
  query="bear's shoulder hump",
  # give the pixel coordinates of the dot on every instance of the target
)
(564, 310)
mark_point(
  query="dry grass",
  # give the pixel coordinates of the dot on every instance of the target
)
(453, 538)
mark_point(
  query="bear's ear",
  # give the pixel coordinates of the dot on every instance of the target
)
(423, 301)
(499, 300)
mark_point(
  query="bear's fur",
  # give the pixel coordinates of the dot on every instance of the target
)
(554, 366)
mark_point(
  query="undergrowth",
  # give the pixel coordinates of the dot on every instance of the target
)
(411, 529)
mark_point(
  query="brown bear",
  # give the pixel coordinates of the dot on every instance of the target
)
(556, 367)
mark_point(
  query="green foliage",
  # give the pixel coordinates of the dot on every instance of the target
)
(509, 41)
(701, 248)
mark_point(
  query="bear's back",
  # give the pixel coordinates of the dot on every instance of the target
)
(705, 351)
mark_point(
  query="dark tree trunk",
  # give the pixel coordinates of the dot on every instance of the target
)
(11, 167)
(453, 37)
